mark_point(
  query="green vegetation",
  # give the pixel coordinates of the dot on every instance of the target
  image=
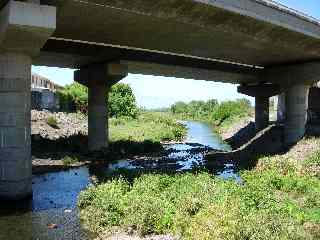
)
(122, 102)
(147, 126)
(68, 161)
(279, 199)
(73, 97)
(52, 122)
(221, 115)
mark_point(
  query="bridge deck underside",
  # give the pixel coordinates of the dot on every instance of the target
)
(180, 32)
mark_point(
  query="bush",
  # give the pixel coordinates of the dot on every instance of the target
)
(269, 205)
(122, 102)
(231, 109)
(52, 122)
(212, 111)
(74, 97)
(67, 161)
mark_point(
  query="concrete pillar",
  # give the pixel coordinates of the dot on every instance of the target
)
(99, 78)
(296, 102)
(15, 151)
(281, 108)
(17, 47)
(97, 115)
(261, 112)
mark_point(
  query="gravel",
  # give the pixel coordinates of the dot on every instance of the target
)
(69, 124)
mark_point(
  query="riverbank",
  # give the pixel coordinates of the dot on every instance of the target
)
(59, 140)
(278, 199)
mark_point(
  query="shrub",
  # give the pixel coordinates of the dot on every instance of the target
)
(74, 97)
(67, 161)
(122, 102)
(52, 122)
(212, 111)
(269, 205)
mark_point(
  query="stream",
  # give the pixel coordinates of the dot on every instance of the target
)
(52, 213)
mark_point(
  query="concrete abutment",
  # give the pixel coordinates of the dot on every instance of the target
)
(17, 47)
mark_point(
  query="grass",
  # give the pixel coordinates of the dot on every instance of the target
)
(279, 199)
(150, 126)
(52, 122)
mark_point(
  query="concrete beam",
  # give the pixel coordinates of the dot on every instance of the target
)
(24, 28)
(108, 73)
(260, 90)
(195, 73)
(295, 74)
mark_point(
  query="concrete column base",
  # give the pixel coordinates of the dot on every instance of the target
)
(296, 102)
(97, 116)
(15, 130)
(261, 113)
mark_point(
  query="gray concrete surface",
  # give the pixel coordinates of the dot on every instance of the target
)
(184, 33)
(99, 79)
(24, 29)
(261, 113)
(246, 42)
(296, 105)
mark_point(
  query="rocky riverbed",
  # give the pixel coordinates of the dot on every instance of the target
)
(68, 124)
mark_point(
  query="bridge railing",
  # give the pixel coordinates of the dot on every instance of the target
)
(290, 10)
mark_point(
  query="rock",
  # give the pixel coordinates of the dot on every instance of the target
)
(69, 124)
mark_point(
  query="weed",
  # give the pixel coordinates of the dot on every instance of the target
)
(52, 122)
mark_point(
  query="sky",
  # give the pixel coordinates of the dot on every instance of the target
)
(158, 92)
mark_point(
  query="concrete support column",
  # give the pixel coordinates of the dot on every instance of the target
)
(15, 130)
(24, 28)
(99, 78)
(262, 92)
(296, 102)
(97, 115)
(261, 112)
(281, 108)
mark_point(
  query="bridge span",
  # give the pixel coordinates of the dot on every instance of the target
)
(265, 47)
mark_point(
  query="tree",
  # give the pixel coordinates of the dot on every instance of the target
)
(122, 102)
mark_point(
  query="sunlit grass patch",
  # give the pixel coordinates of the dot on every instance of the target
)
(269, 205)
(147, 126)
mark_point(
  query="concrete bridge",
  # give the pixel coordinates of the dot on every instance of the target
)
(266, 48)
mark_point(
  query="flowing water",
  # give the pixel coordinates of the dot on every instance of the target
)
(52, 213)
